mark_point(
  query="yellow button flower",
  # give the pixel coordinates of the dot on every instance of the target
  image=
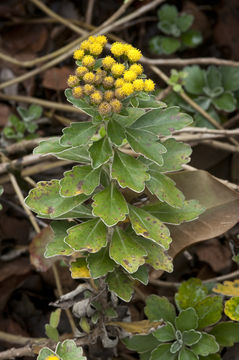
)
(137, 68)
(104, 108)
(119, 94)
(107, 62)
(96, 49)
(101, 39)
(134, 55)
(129, 75)
(108, 95)
(117, 69)
(138, 84)
(117, 49)
(52, 357)
(77, 92)
(149, 85)
(98, 79)
(119, 82)
(116, 105)
(127, 89)
(81, 71)
(96, 97)
(78, 54)
(85, 45)
(127, 47)
(89, 77)
(108, 82)
(88, 61)
(89, 89)
(72, 80)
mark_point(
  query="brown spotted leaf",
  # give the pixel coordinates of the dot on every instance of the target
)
(149, 226)
(125, 251)
(79, 269)
(80, 180)
(45, 199)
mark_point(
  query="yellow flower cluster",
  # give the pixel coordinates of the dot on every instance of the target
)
(107, 84)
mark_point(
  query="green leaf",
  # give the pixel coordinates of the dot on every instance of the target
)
(149, 103)
(165, 333)
(169, 45)
(168, 13)
(162, 121)
(209, 311)
(35, 111)
(79, 269)
(81, 211)
(143, 142)
(206, 345)
(119, 283)
(52, 332)
(141, 343)
(213, 77)
(50, 146)
(79, 154)
(159, 308)
(164, 188)
(115, 132)
(129, 172)
(44, 353)
(191, 337)
(190, 292)
(100, 152)
(125, 251)
(175, 347)
(110, 205)
(189, 211)
(88, 236)
(68, 350)
(81, 104)
(230, 77)
(185, 21)
(57, 246)
(46, 200)
(141, 275)
(187, 320)
(226, 333)
(192, 38)
(55, 318)
(195, 81)
(232, 308)
(132, 115)
(149, 226)
(162, 353)
(226, 102)
(186, 354)
(100, 263)
(177, 155)
(81, 179)
(156, 255)
(78, 134)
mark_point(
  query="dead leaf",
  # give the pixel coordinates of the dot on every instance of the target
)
(222, 212)
(56, 78)
(37, 249)
(228, 288)
(4, 113)
(218, 256)
(137, 327)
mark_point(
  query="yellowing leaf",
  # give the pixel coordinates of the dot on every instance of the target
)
(79, 269)
(137, 327)
(232, 308)
(229, 288)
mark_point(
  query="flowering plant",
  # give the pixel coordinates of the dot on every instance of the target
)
(102, 218)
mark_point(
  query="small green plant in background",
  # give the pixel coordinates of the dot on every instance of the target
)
(214, 89)
(177, 80)
(51, 328)
(66, 350)
(25, 126)
(177, 27)
(195, 333)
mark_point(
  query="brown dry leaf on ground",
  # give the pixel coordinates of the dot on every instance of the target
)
(56, 78)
